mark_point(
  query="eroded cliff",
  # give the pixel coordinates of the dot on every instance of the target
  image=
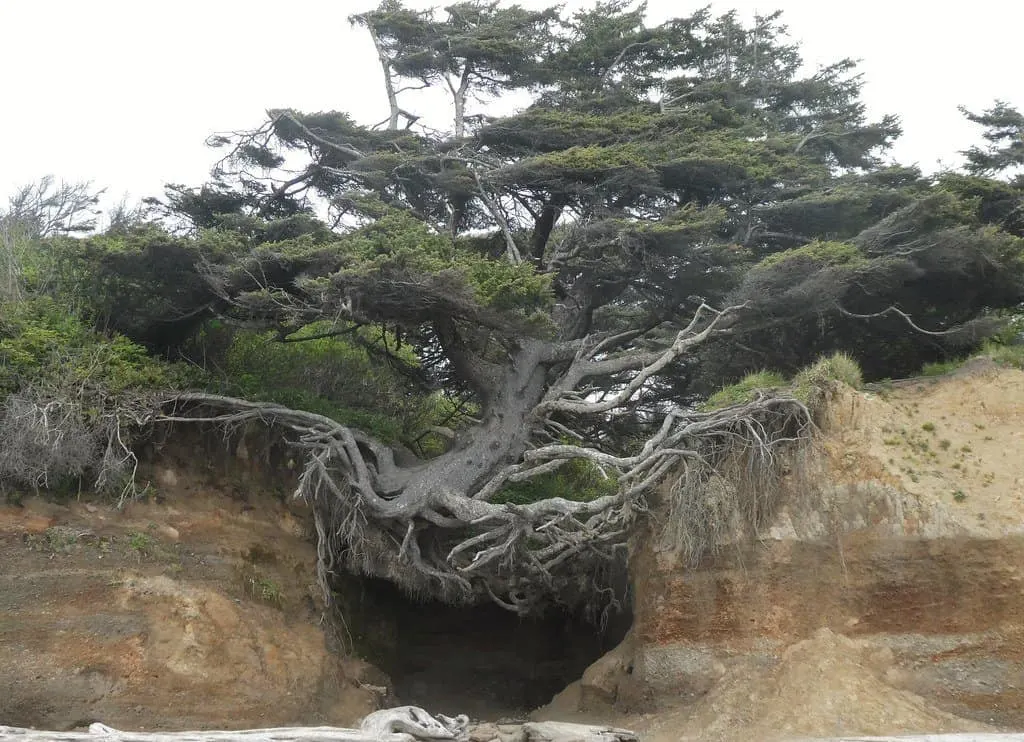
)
(886, 595)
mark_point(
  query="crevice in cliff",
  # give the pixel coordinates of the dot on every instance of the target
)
(478, 660)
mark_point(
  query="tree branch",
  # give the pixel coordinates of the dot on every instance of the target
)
(649, 364)
(345, 149)
(906, 318)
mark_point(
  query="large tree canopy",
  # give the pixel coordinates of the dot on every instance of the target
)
(549, 291)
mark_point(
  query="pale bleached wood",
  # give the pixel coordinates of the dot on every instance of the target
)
(99, 733)
(402, 724)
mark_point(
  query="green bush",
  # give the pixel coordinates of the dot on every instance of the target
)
(941, 368)
(340, 378)
(811, 384)
(1003, 354)
(67, 396)
(43, 346)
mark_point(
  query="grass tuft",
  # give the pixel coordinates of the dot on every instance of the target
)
(745, 389)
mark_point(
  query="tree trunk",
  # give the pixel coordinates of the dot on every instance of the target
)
(394, 111)
(459, 97)
(499, 440)
(542, 230)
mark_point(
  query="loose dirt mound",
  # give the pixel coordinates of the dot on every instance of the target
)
(828, 685)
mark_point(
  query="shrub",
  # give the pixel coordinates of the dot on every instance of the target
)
(68, 395)
(340, 377)
(44, 347)
(1004, 354)
(262, 588)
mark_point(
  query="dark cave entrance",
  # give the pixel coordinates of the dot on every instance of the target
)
(482, 660)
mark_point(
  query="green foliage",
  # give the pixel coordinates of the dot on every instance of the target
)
(941, 368)
(555, 129)
(745, 390)
(397, 244)
(139, 542)
(143, 283)
(1011, 331)
(992, 201)
(338, 377)
(1004, 132)
(43, 346)
(264, 589)
(1004, 355)
(843, 210)
(820, 253)
(484, 45)
(60, 539)
(702, 166)
(578, 479)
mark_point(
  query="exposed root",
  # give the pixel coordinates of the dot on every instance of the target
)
(736, 485)
(434, 528)
(371, 518)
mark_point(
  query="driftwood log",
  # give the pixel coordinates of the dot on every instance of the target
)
(956, 737)
(403, 724)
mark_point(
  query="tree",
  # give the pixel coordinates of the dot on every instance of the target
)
(1004, 133)
(571, 271)
(477, 51)
(47, 208)
(37, 211)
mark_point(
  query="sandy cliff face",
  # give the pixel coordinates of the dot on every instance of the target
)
(887, 595)
(195, 611)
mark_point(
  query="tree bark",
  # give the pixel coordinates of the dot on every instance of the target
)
(459, 98)
(389, 83)
(542, 231)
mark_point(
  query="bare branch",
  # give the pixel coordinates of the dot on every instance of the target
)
(511, 249)
(906, 318)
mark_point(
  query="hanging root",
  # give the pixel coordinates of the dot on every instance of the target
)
(375, 518)
(736, 484)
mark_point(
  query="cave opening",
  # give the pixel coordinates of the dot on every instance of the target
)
(481, 660)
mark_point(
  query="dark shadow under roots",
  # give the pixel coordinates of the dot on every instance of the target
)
(478, 660)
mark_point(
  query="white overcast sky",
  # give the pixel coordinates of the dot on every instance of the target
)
(124, 92)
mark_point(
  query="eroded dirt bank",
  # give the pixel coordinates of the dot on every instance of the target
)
(194, 611)
(197, 608)
(886, 596)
